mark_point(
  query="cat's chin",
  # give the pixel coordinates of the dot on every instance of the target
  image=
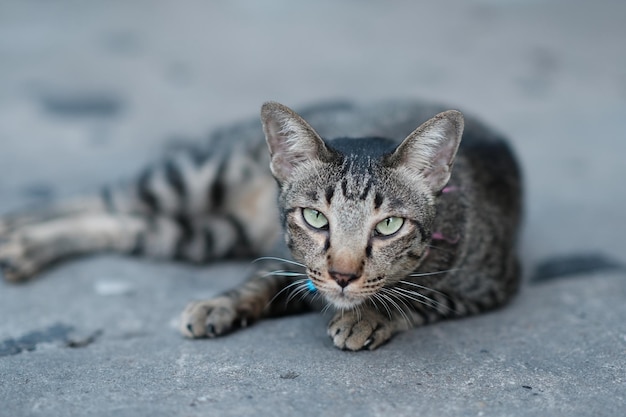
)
(344, 302)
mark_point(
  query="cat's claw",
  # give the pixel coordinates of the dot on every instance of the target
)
(356, 331)
(211, 318)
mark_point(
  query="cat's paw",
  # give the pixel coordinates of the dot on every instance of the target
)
(16, 263)
(363, 330)
(211, 318)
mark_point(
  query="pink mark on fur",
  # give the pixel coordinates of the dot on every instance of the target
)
(449, 189)
(440, 236)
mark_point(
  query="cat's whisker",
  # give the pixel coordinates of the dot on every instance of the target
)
(388, 297)
(307, 292)
(421, 287)
(275, 258)
(381, 300)
(286, 288)
(357, 311)
(301, 290)
(423, 299)
(431, 299)
(434, 246)
(327, 306)
(283, 273)
(441, 249)
(426, 274)
(414, 296)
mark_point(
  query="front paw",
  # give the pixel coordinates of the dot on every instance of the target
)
(365, 329)
(211, 318)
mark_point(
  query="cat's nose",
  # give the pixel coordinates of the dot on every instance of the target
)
(343, 279)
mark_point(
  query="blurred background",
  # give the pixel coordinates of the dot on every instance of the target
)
(90, 91)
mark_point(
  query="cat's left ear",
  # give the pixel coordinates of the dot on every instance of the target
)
(291, 140)
(430, 150)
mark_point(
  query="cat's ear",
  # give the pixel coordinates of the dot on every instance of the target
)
(291, 140)
(430, 150)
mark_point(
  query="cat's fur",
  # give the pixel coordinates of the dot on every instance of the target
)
(453, 255)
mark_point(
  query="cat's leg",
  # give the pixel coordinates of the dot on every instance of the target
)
(410, 303)
(138, 196)
(188, 193)
(417, 303)
(11, 222)
(370, 325)
(32, 248)
(274, 291)
(394, 310)
(397, 309)
(34, 238)
(28, 249)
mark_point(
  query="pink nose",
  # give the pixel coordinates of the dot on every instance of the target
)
(343, 278)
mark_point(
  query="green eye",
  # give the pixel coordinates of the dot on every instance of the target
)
(389, 226)
(314, 218)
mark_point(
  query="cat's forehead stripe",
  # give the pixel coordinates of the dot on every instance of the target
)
(312, 195)
(330, 192)
(357, 179)
(378, 200)
(357, 188)
(368, 187)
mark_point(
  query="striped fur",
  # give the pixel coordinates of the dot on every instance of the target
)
(453, 255)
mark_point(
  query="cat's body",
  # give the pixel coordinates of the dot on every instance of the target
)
(378, 228)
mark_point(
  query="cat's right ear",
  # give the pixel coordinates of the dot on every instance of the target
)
(291, 140)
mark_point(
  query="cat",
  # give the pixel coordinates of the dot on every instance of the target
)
(394, 223)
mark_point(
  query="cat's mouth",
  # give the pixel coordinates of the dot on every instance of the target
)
(343, 298)
(344, 302)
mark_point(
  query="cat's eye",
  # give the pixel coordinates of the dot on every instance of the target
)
(315, 219)
(389, 226)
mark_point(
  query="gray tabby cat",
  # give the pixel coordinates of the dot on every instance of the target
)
(380, 229)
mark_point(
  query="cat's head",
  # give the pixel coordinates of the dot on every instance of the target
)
(358, 212)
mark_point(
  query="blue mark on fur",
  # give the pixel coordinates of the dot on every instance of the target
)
(310, 286)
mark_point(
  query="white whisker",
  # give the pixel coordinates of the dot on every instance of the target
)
(379, 298)
(307, 292)
(423, 299)
(283, 273)
(356, 310)
(426, 274)
(422, 287)
(274, 258)
(400, 299)
(326, 307)
(427, 301)
(298, 291)
(387, 296)
(441, 249)
(298, 282)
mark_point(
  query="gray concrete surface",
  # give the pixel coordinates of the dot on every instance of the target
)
(96, 337)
